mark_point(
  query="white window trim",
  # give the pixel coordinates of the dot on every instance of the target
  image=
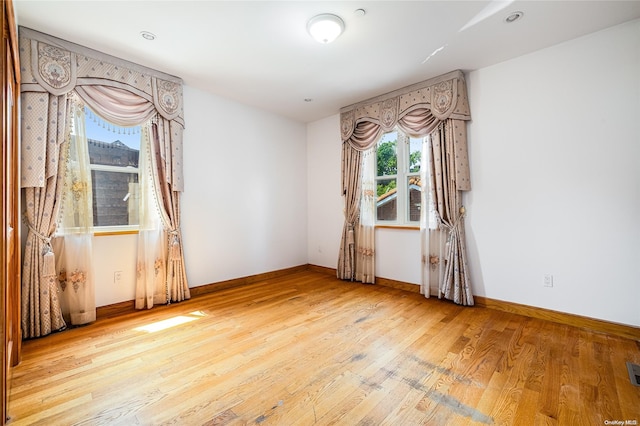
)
(115, 229)
(402, 177)
(105, 229)
(116, 169)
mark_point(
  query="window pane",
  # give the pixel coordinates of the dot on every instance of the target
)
(115, 198)
(415, 152)
(387, 154)
(386, 206)
(415, 192)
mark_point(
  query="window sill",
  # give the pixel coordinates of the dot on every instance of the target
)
(111, 233)
(403, 227)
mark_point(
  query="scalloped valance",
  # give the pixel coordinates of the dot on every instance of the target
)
(444, 96)
(55, 71)
(49, 64)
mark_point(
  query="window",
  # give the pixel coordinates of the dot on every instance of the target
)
(113, 156)
(398, 179)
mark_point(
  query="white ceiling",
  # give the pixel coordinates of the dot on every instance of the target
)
(259, 53)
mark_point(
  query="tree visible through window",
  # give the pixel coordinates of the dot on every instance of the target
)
(398, 186)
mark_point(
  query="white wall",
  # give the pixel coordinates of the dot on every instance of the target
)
(324, 201)
(244, 209)
(398, 254)
(554, 151)
(115, 253)
(244, 206)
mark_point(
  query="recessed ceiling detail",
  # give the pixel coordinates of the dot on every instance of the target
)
(513, 17)
(147, 35)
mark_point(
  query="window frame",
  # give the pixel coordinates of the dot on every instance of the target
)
(114, 229)
(402, 176)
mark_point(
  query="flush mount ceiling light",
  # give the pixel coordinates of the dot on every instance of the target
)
(325, 28)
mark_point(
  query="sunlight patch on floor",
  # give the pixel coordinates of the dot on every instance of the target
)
(171, 322)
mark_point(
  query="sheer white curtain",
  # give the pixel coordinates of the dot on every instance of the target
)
(74, 244)
(432, 237)
(424, 221)
(365, 234)
(151, 285)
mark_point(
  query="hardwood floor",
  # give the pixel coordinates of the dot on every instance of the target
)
(309, 349)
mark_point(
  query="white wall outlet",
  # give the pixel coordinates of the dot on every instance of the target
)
(117, 277)
(548, 280)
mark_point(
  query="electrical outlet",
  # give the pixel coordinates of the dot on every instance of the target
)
(117, 277)
(548, 280)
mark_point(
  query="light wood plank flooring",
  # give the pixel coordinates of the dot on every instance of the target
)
(308, 349)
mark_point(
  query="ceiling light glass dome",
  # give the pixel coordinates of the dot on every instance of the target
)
(325, 28)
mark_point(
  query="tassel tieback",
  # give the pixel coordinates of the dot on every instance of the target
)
(48, 257)
(351, 239)
(174, 245)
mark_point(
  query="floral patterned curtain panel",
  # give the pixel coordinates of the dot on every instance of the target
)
(365, 233)
(53, 71)
(74, 248)
(418, 110)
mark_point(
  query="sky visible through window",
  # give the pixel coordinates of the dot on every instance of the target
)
(96, 131)
(387, 137)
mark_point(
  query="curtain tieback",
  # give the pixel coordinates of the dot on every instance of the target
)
(453, 229)
(48, 257)
(174, 244)
(350, 234)
(174, 255)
